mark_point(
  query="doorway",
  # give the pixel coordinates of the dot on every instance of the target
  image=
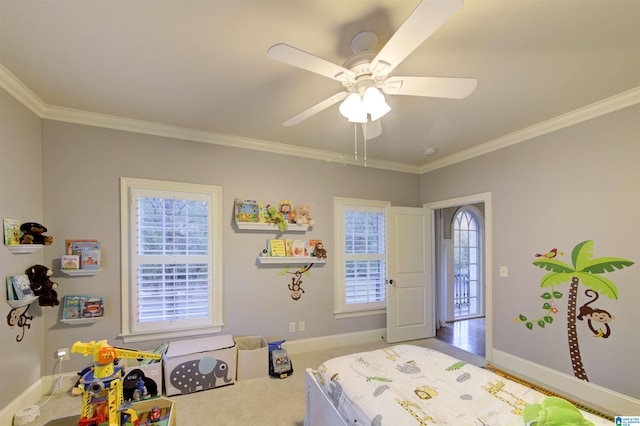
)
(462, 231)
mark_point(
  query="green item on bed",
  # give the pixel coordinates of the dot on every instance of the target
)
(553, 411)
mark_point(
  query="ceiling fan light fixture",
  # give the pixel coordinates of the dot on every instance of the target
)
(353, 109)
(374, 103)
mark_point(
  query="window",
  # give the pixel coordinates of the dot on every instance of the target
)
(171, 259)
(361, 257)
(467, 252)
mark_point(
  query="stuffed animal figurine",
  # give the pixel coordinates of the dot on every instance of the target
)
(42, 286)
(32, 233)
(319, 251)
(274, 216)
(553, 411)
(303, 215)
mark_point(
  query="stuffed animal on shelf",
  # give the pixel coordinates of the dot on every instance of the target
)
(42, 286)
(319, 251)
(275, 216)
(553, 411)
(32, 233)
(303, 215)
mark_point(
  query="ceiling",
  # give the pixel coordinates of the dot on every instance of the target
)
(200, 69)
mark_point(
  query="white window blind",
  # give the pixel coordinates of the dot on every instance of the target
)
(174, 261)
(365, 245)
(361, 257)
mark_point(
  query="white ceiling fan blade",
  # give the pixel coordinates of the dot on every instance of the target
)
(315, 109)
(437, 87)
(426, 18)
(372, 129)
(301, 59)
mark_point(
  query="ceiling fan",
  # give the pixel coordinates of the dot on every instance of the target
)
(365, 73)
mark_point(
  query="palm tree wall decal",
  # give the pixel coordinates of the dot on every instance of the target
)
(585, 270)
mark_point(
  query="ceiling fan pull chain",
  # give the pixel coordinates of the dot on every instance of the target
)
(364, 133)
(355, 141)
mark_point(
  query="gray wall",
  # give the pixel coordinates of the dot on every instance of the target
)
(21, 199)
(554, 191)
(576, 184)
(81, 195)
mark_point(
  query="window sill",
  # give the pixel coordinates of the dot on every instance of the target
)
(146, 337)
(355, 314)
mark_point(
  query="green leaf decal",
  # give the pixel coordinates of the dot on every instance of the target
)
(553, 265)
(555, 278)
(582, 254)
(529, 326)
(546, 305)
(599, 283)
(546, 296)
(522, 318)
(606, 264)
(541, 323)
(548, 319)
(557, 295)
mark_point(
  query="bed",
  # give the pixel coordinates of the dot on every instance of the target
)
(411, 385)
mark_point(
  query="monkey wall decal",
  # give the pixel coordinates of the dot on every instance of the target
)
(20, 319)
(595, 315)
(296, 280)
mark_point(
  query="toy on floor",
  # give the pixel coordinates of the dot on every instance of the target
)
(553, 411)
(102, 395)
(280, 365)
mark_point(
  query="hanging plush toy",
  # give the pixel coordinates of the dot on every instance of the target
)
(42, 286)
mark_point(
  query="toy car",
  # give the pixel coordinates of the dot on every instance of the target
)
(154, 415)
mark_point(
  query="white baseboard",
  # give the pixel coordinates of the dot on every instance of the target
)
(35, 395)
(334, 341)
(595, 396)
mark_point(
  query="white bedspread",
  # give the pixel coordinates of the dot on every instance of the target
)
(411, 385)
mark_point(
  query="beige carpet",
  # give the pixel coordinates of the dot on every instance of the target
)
(262, 401)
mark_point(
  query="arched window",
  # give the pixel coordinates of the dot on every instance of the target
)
(467, 263)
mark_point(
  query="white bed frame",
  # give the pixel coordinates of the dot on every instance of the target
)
(320, 410)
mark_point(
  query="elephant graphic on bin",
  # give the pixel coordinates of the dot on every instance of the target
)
(199, 374)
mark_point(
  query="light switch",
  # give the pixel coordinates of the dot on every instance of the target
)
(504, 271)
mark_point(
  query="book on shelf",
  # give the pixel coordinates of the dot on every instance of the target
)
(288, 245)
(21, 286)
(245, 210)
(72, 306)
(88, 252)
(70, 261)
(93, 307)
(277, 248)
(298, 249)
(11, 231)
(11, 293)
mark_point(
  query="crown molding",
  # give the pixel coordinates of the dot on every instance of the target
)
(597, 109)
(23, 94)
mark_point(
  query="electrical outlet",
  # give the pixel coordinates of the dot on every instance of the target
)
(63, 354)
(292, 327)
(301, 326)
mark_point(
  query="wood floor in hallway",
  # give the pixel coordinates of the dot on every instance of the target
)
(468, 335)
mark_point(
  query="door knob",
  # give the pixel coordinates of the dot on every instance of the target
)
(391, 282)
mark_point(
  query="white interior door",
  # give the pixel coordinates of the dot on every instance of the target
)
(409, 277)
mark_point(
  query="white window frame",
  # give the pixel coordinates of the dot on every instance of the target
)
(130, 332)
(340, 207)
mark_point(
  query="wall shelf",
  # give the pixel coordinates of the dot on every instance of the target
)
(22, 302)
(80, 320)
(266, 260)
(24, 248)
(257, 226)
(80, 272)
